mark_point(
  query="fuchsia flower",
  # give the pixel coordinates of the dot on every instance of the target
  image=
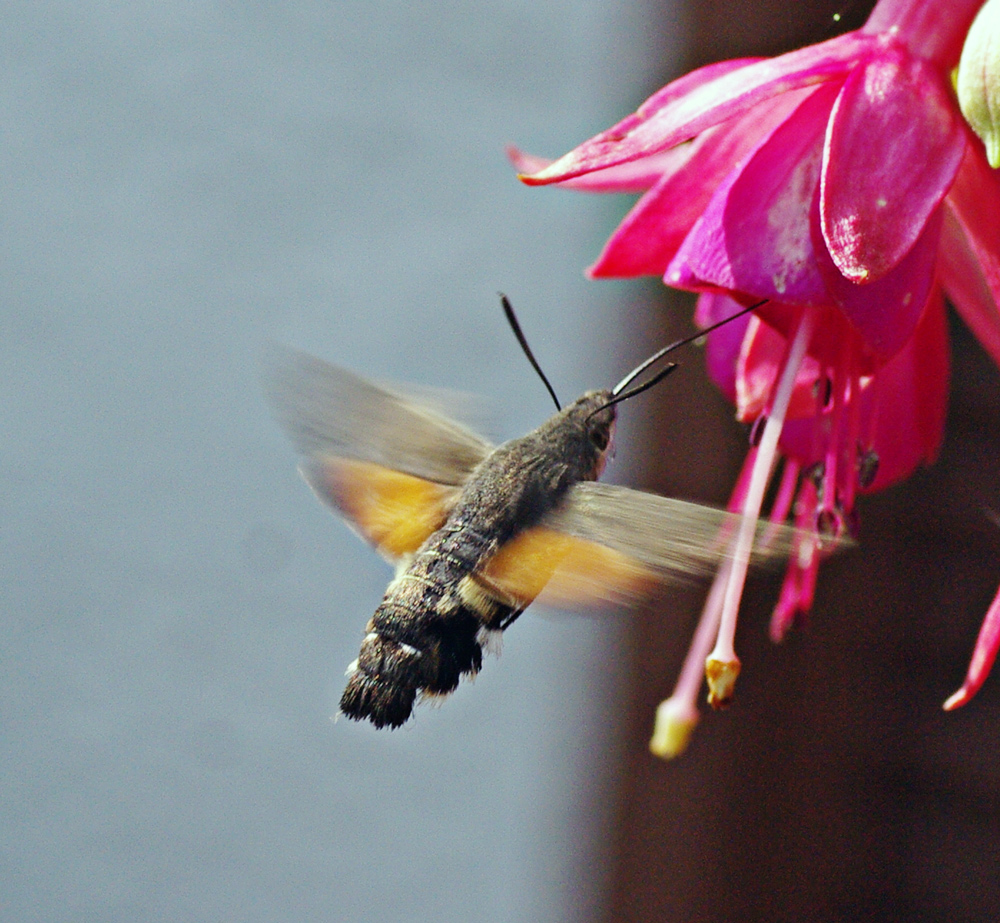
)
(840, 182)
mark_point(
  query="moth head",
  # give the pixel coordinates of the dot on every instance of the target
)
(587, 425)
(591, 418)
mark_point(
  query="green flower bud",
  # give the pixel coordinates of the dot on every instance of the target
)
(978, 80)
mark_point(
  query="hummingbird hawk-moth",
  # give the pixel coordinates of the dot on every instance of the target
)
(477, 531)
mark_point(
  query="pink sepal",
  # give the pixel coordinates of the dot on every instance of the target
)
(983, 655)
(647, 240)
(636, 176)
(688, 106)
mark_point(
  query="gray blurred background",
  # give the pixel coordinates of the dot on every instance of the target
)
(183, 184)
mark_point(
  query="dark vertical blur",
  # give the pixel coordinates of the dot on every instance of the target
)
(835, 788)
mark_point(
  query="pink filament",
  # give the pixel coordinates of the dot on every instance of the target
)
(724, 650)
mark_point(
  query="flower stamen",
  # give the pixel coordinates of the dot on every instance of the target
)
(677, 716)
(722, 665)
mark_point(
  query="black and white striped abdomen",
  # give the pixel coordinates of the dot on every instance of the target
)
(428, 632)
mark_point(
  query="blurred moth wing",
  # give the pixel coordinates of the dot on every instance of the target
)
(394, 467)
(609, 545)
(330, 412)
(394, 512)
(563, 571)
(391, 465)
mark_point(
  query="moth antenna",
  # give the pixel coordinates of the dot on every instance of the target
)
(516, 327)
(659, 354)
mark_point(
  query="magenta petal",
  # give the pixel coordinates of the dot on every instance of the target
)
(526, 163)
(755, 235)
(671, 93)
(647, 240)
(885, 313)
(964, 281)
(909, 400)
(903, 406)
(763, 354)
(672, 116)
(892, 150)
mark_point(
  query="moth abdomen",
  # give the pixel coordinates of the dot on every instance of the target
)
(384, 703)
(389, 659)
(383, 681)
(456, 651)
(425, 636)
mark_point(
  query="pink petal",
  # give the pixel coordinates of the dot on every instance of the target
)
(755, 235)
(970, 248)
(903, 406)
(744, 358)
(671, 93)
(647, 240)
(636, 176)
(886, 312)
(964, 281)
(892, 150)
(678, 113)
(799, 585)
(983, 655)
(525, 163)
(660, 99)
